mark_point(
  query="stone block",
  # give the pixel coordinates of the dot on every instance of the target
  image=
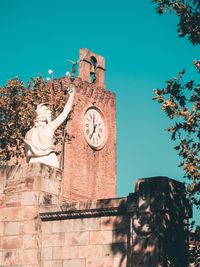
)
(47, 199)
(113, 222)
(52, 264)
(2, 185)
(46, 227)
(62, 226)
(100, 262)
(29, 198)
(1, 229)
(12, 200)
(87, 224)
(50, 186)
(1, 258)
(100, 237)
(10, 258)
(47, 253)
(11, 214)
(64, 253)
(107, 251)
(119, 235)
(120, 261)
(12, 228)
(11, 242)
(90, 251)
(30, 242)
(77, 238)
(114, 250)
(2, 200)
(28, 227)
(30, 256)
(74, 263)
(30, 212)
(51, 240)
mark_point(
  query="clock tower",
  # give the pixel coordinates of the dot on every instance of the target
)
(90, 155)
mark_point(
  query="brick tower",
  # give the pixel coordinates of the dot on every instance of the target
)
(90, 159)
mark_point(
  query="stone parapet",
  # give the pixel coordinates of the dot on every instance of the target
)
(38, 228)
(24, 189)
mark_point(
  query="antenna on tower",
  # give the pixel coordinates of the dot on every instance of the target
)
(74, 66)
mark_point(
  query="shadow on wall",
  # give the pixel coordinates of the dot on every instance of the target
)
(152, 229)
(120, 226)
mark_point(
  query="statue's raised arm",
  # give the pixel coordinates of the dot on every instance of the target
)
(68, 106)
(39, 140)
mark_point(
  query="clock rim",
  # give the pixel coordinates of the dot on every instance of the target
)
(105, 127)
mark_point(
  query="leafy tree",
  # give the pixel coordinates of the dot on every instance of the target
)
(180, 100)
(18, 103)
(189, 16)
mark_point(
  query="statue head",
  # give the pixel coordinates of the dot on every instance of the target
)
(43, 114)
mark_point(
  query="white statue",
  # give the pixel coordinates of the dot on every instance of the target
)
(39, 140)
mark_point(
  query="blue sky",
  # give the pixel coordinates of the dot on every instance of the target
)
(142, 51)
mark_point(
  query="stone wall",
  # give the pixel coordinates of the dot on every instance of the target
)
(146, 229)
(86, 238)
(23, 190)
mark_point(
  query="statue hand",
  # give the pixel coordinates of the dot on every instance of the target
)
(71, 90)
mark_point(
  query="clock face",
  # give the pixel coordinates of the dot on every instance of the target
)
(94, 128)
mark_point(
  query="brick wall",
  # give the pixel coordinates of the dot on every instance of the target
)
(146, 229)
(89, 173)
(23, 190)
(86, 242)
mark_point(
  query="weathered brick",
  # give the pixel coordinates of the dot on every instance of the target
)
(2, 200)
(52, 264)
(62, 226)
(12, 228)
(11, 214)
(114, 222)
(100, 262)
(30, 212)
(12, 200)
(1, 258)
(10, 258)
(47, 253)
(30, 242)
(11, 242)
(50, 186)
(47, 227)
(107, 251)
(115, 249)
(90, 251)
(49, 240)
(2, 185)
(87, 224)
(101, 237)
(30, 256)
(29, 198)
(62, 253)
(120, 261)
(28, 227)
(119, 235)
(77, 238)
(74, 263)
(1, 229)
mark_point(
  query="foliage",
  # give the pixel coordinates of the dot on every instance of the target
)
(18, 103)
(181, 102)
(189, 16)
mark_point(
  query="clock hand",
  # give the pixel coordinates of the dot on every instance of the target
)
(93, 120)
(94, 130)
